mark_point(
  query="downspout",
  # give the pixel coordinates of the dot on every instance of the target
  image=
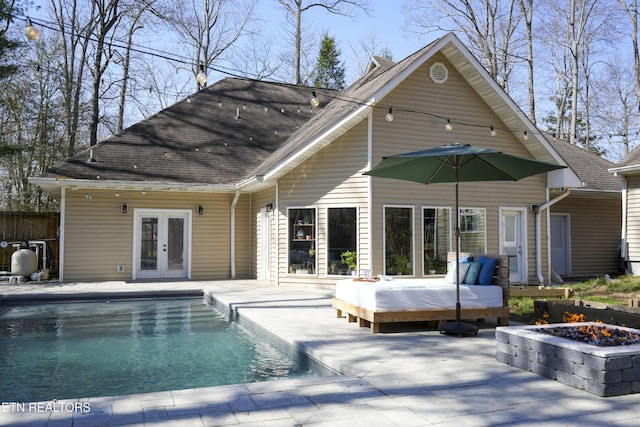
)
(233, 234)
(538, 209)
(61, 233)
(277, 251)
(623, 234)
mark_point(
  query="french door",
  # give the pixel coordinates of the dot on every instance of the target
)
(162, 244)
(513, 242)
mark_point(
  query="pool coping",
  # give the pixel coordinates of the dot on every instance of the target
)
(80, 296)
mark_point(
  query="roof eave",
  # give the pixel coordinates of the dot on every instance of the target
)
(54, 184)
(625, 170)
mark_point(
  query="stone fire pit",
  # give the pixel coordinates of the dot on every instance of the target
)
(603, 371)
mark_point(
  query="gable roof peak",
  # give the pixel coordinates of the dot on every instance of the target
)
(379, 61)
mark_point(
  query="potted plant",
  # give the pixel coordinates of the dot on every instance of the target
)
(431, 268)
(350, 259)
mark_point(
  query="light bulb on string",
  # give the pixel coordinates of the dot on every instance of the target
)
(492, 132)
(30, 31)
(389, 116)
(201, 78)
(526, 135)
(314, 101)
(448, 126)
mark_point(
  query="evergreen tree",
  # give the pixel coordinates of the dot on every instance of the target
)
(7, 67)
(6, 44)
(330, 70)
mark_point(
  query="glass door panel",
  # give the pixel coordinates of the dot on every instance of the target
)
(149, 244)
(175, 244)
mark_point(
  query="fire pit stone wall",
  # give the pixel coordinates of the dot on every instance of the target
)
(603, 371)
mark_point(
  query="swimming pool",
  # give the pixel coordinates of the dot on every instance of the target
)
(101, 348)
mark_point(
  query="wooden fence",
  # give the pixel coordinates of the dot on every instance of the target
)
(16, 227)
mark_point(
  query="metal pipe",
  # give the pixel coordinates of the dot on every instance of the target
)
(538, 210)
(233, 234)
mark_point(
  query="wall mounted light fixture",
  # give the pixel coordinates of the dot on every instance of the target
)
(200, 209)
(269, 207)
(124, 208)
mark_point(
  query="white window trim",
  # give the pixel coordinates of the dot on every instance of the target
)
(326, 233)
(290, 238)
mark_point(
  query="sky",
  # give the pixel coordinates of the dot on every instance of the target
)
(385, 20)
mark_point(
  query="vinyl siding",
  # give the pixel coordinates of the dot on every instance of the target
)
(258, 201)
(98, 236)
(633, 217)
(331, 178)
(595, 233)
(411, 131)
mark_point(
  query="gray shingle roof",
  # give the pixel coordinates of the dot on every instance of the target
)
(201, 141)
(631, 159)
(590, 168)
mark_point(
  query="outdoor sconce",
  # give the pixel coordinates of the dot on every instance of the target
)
(124, 208)
(200, 209)
(269, 207)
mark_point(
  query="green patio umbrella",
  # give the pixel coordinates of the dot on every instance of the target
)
(458, 163)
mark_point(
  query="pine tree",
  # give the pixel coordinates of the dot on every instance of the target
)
(6, 44)
(330, 70)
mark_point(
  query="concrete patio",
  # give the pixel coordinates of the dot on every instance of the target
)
(406, 378)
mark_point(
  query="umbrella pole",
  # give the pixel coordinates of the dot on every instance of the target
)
(458, 327)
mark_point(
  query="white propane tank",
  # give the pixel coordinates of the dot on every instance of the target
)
(24, 262)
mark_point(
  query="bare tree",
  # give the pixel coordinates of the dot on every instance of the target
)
(526, 6)
(489, 26)
(615, 102)
(134, 17)
(106, 14)
(369, 45)
(74, 36)
(257, 60)
(211, 27)
(295, 9)
(630, 9)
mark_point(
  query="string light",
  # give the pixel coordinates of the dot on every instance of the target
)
(314, 101)
(30, 31)
(389, 116)
(201, 78)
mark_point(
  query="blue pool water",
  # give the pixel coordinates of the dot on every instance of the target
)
(82, 349)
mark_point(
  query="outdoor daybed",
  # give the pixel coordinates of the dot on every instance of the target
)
(372, 303)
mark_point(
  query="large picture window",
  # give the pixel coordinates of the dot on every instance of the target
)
(398, 240)
(302, 240)
(342, 257)
(437, 239)
(472, 230)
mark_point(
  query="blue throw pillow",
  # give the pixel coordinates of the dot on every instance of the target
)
(472, 274)
(487, 270)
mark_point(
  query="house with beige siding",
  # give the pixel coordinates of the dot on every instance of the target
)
(628, 170)
(247, 179)
(585, 222)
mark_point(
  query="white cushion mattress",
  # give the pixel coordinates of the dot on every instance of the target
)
(410, 294)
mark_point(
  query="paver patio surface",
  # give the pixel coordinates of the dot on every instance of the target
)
(406, 378)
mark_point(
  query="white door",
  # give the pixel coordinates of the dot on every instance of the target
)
(161, 244)
(560, 244)
(512, 242)
(265, 245)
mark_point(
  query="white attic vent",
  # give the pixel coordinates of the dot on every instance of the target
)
(438, 73)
